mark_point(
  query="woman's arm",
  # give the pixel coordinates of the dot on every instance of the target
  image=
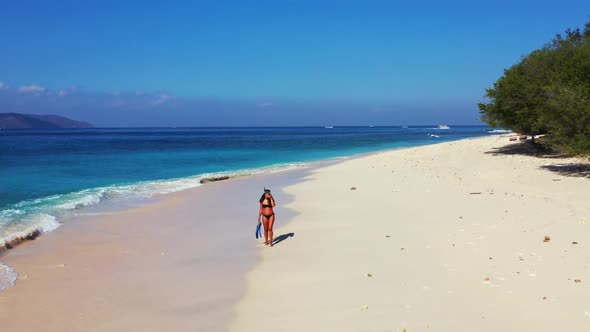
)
(272, 201)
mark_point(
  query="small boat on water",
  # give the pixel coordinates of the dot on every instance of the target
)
(443, 127)
(328, 127)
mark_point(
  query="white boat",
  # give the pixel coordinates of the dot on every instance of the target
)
(328, 127)
(443, 127)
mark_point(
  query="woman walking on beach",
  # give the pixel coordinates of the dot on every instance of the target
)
(267, 202)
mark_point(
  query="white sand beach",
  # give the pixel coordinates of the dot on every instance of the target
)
(447, 237)
(458, 236)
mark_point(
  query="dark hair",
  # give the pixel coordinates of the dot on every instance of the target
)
(262, 197)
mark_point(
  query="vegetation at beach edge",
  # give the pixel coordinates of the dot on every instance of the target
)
(547, 92)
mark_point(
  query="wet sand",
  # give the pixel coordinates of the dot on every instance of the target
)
(174, 265)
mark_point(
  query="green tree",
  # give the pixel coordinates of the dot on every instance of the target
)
(548, 91)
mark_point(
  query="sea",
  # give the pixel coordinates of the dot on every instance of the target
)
(48, 175)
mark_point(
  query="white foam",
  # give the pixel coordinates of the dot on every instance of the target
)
(40, 222)
(499, 131)
(81, 202)
(8, 277)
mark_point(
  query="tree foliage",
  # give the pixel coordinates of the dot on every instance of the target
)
(547, 92)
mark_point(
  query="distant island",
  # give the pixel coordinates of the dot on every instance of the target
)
(32, 121)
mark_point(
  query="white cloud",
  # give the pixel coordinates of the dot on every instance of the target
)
(31, 88)
(266, 104)
(162, 99)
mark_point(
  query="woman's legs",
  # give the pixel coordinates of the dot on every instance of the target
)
(265, 223)
(271, 222)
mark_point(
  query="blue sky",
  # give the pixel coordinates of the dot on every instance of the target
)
(192, 63)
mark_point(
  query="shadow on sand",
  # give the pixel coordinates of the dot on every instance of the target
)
(282, 238)
(527, 148)
(574, 170)
(536, 150)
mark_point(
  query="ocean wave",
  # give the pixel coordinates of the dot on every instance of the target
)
(28, 219)
(7, 276)
(499, 131)
(13, 231)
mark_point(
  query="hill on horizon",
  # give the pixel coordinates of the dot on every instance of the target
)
(33, 121)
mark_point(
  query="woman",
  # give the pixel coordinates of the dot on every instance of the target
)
(267, 202)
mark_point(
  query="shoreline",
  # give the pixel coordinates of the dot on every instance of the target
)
(146, 271)
(132, 262)
(137, 200)
(74, 225)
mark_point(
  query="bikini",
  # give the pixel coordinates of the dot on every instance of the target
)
(268, 206)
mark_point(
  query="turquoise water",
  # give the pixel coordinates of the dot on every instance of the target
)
(47, 174)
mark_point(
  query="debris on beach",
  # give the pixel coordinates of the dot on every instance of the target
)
(546, 238)
(574, 242)
(402, 248)
(369, 275)
(214, 179)
(487, 279)
(365, 307)
(387, 235)
(475, 193)
(352, 188)
(60, 265)
(577, 281)
(544, 297)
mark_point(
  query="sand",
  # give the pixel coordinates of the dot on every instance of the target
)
(447, 237)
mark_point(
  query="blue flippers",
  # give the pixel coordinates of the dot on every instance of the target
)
(258, 230)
